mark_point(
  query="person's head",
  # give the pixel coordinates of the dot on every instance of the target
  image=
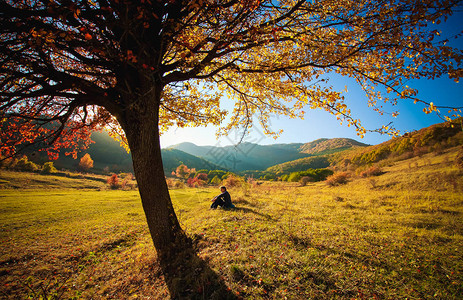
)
(223, 188)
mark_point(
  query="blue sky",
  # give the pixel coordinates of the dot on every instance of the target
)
(319, 124)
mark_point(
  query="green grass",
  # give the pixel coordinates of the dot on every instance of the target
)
(395, 236)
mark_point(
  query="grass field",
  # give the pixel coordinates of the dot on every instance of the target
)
(395, 236)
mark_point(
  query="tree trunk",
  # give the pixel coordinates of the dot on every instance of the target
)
(141, 127)
(187, 276)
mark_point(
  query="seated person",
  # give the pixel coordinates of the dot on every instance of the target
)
(223, 200)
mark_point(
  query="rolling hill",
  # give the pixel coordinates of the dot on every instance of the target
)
(328, 146)
(301, 164)
(435, 138)
(318, 152)
(245, 156)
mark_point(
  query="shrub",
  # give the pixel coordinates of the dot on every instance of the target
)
(6, 162)
(191, 182)
(9, 163)
(315, 174)
(438, 148)
(269, 177)
(24, 164)
(127, 184)
(201, 176)
(170, 182)
(202, 171)
(346, 162)
(128, 176)
(184, 172)
(124, 184)
(196, 181)
(179, 184)
(174, 183)
(337, 179)
(420, 151)
(219, 173)
(216, 180)
(232, 181)
(294, 177)
(306, 179)
(48, 168)
(372, 171)
(251, 182)
(86, 162)
(113, 182)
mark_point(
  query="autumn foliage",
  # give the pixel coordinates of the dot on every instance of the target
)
(337, 179)
(233, 181)
(113, 181)
(195, 182)
(86, 162)
(183, 172)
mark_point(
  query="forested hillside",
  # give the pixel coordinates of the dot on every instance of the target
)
(245, 156)
(302, 164)
(434, 138)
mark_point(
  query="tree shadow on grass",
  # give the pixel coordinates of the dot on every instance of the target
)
(249, 210)
(190, 277)
(252, 211)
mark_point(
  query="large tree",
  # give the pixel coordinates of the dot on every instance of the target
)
(141, 66)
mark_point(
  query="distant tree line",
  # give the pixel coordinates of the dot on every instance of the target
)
(431, 139)
(25, 165)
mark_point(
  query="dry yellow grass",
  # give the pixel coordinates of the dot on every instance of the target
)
(394, 236)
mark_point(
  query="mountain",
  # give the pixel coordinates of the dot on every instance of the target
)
(244, 156)
(193, 149)
(289, 147)
(172, 158)
(328, 146)
(106, 153)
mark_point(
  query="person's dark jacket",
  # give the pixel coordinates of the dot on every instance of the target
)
(225, 197)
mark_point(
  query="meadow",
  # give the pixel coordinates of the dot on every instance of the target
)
(394, 236)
